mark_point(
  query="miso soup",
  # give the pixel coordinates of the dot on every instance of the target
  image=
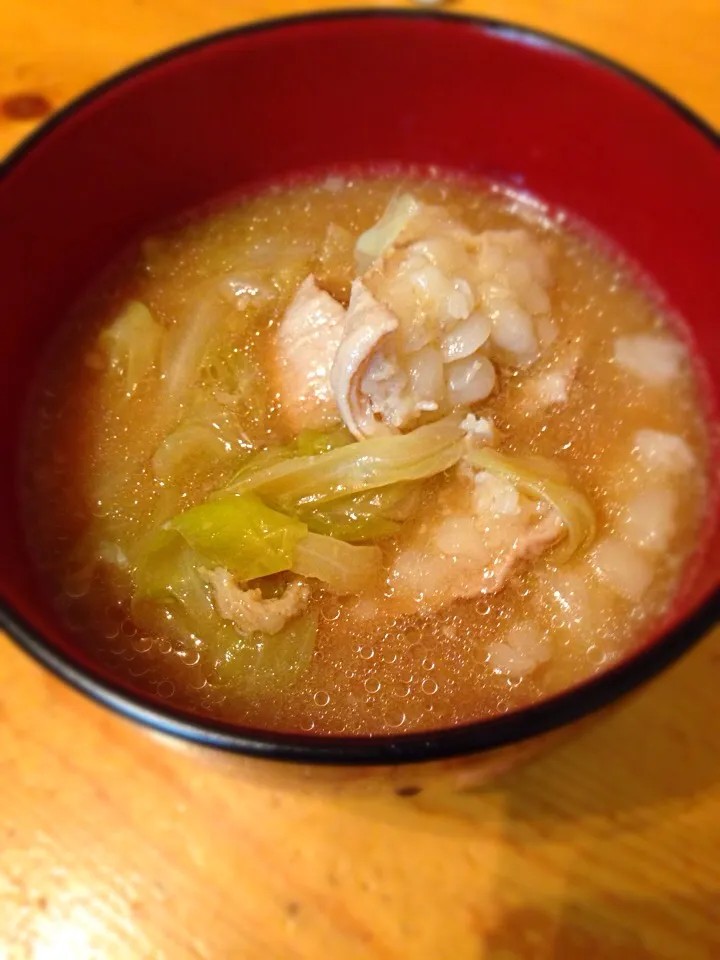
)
(372, 454)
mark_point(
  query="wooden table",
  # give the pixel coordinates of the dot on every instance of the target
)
(114, 846)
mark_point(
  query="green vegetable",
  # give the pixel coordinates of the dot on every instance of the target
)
(172, 599)
(209, 441)
(133, 343)
(398, 214)
(368, 515)
(364, 516)
(201, 360)
(544, 480)
(307, 443)
(259, 664)
(241, 534)
(251, 540)
(355, 468)
(192, 445)
(311, 442)
(158, 570)
(343, 567)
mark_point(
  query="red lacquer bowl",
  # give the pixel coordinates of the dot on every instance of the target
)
(281, 98)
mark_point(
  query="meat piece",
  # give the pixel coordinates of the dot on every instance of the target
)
(538, 532)
(306, 342)
(458, 300)
(435, 305)
(365, 358)
(471, 547)
(249, 610)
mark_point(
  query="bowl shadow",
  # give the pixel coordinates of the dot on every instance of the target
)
(656, 752)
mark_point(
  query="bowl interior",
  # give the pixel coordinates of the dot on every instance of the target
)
(323, 92)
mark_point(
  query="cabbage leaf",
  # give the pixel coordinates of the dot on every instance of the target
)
(371, 515)
(343, 567)
(242, 534)
(354, 468)
(260, 664)
(132, 342)
(547, 480)
(172, 599)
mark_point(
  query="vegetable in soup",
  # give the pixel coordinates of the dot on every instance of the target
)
(365, 455)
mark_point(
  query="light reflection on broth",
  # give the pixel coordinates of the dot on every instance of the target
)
(116, 452)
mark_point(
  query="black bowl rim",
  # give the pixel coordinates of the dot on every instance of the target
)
(471, 738)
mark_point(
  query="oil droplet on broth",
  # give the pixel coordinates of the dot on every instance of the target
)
(331, 610)
(394, 717)
(596, 655)
(140, 668)
(190, 657)
(165, 689)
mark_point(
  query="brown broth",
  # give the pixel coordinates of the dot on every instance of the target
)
(386, 674)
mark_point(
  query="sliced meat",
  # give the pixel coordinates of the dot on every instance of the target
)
(538, 532)
(306, 343)
(472, 548)
(365, 357)
(435, 308)
(249, 610)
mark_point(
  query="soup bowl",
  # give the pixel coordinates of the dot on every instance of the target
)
(317, 93)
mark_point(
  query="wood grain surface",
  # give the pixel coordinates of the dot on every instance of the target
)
(115, 847)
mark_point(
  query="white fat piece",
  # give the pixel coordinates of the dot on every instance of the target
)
(655, 359)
